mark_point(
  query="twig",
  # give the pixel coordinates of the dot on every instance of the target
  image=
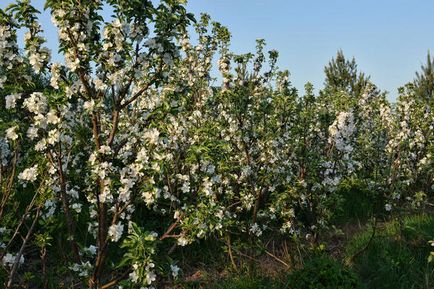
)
(358, 253)
(23, 218)
(114, 282)
(8, 188)
(169, 230)
(277, 258)
(231, 256)
(20, 253)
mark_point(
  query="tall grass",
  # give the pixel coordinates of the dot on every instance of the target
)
(394, 259)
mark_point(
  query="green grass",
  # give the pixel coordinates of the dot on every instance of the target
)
(322, 273)
(395, 261)
(246, 282)
(242, 281)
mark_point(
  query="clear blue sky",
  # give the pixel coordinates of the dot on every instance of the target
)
(388, 38)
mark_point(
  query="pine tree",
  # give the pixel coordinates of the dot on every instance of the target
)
(342, 75)
(424, 81)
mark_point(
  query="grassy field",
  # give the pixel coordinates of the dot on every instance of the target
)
(393, 257)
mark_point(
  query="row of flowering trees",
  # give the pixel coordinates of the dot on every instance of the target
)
(129, 150)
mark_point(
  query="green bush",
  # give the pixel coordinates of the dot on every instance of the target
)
(356, 202)
(324, 273)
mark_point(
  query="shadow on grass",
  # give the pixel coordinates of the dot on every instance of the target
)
(235, 282)
(394, 260)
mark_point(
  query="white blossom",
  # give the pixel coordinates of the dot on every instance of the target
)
(11, 100)
(115, 231)
(175, 270)
(32, 132)
(9, 259)
(11, 133)
(36, 103)
(55, 75)
(388, 207)
(182, 241)
(29, 174)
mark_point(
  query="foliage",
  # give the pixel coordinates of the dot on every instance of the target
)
(342, 75)
(322, 273)
(424, 81)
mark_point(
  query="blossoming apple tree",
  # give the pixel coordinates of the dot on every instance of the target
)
(128, 149)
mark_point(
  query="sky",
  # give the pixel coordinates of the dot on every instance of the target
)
(388, 38)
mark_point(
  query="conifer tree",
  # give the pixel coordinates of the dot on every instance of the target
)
(424, 81)
(342, 75)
